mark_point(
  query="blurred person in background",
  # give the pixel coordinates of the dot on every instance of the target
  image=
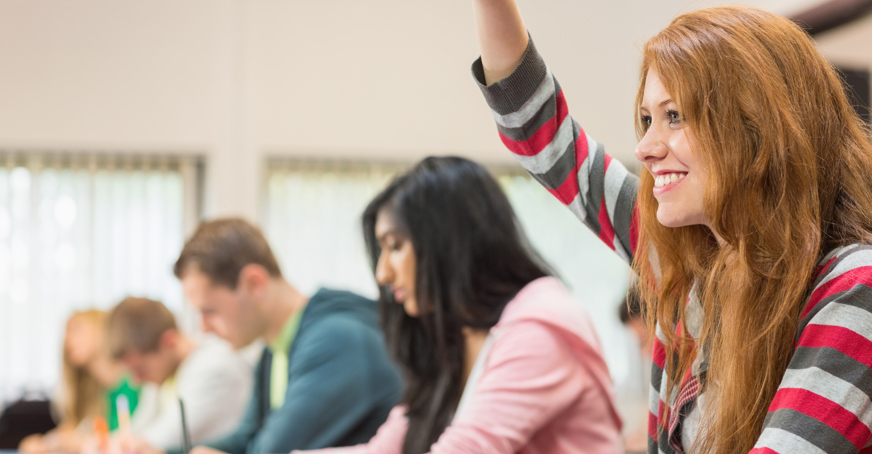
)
(634, 399)
(90, 386)
(205, 373)
(324, 379)
(630, 313)
(498, 356)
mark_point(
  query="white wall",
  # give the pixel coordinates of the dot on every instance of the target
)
(237, 79)
(849, 46)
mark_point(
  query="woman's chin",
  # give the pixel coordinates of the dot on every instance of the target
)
(411, 308)
(673, 220)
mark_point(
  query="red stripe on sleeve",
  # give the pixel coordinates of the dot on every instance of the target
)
(842, 339)
(840, 283)
(607, 232)
(821, 268)
(607, 159)
(652, 424)
(663, 414)
(825, 411)
(543, 136)
(634, 230)
(581, 149)
(763, 451)
(567, 191)
(659, 354)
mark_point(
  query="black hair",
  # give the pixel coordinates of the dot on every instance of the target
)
(632, 307)
(472, 258)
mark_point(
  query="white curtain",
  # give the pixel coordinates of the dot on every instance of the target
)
(81, 231)
(313, 223)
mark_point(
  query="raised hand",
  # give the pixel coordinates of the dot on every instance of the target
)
(502, 37)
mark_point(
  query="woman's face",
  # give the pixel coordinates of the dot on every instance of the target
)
(679, 181)
(82, 342)
(396, 263)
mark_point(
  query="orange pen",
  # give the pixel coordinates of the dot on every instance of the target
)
(101, 431)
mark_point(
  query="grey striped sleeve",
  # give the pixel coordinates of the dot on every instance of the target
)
(815, 433)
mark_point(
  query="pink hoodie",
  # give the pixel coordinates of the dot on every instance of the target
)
(544, 388)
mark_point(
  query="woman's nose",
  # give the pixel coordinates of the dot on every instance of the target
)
(651, 147)
(383, 273)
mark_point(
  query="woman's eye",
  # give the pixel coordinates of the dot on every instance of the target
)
(646, 121)
(674, 117)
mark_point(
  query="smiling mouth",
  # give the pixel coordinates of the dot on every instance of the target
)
(666, 182)
(667, 179)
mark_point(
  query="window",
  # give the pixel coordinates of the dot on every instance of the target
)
(81, 231)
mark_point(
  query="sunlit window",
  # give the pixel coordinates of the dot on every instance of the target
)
(78, 232)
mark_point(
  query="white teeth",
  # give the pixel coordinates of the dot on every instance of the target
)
(665, 179)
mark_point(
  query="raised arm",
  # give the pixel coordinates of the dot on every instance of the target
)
(501, 36)
(534, 123)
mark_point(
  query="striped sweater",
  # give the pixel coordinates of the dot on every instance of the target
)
(823, 402)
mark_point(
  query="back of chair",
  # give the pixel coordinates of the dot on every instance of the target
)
(22, 418)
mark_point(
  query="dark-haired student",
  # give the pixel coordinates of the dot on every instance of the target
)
(497, 355)
(325, 378)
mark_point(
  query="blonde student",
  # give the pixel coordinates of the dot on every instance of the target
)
(90, 386)
(750, 225)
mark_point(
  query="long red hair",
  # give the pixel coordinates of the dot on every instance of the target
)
(788, 161)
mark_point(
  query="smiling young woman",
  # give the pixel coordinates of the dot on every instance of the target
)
(750, 225)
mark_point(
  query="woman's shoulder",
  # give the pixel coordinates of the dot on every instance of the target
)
(844, 264)
(842, 287)
(545, 300)
(545, 305)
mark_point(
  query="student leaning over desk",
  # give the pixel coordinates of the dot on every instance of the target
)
(498, 356)
(142, 334)
(325, 378)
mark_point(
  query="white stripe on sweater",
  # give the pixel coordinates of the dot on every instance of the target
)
(613, 182)
(584, 169)
(845, 316)
(838, 251)
(653, 399)
(545, 159)
(855, 260)
(784, 442)
(577, 208)
(531, 106)
(830, 387)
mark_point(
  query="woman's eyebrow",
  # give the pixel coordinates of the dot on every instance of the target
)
(661, 104)
(381, 238)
